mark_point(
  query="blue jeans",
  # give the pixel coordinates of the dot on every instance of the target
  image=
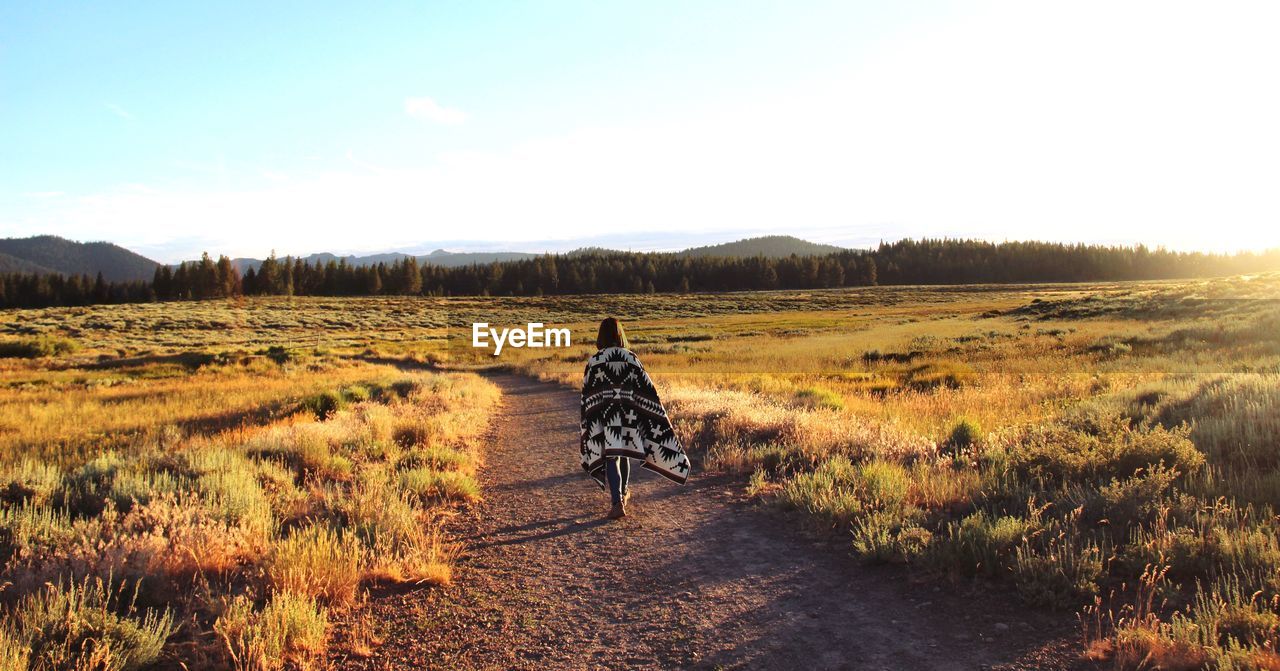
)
(617, 470)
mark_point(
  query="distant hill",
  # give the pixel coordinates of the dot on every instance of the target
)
(13, 264)
(451, 259)
(439, 258)
(52, 254)
(243, 264)
(772, 246)
(587, 251)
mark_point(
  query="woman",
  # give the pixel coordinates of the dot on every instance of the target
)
(622, 419)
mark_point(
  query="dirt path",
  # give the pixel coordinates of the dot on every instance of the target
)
(696, 577)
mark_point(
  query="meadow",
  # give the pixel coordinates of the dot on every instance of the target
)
(1114, 450)
(1106, 448)
(219, 510)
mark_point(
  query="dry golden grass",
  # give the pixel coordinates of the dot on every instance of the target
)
(1061, 437)
(67, 414)
(255, 528)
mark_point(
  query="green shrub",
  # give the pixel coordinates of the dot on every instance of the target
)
(980, 543)
(233, 493)
(134, 486)
(1060, 572)
(1236, 421)
(37, 347)
(775, 458)
(29, 480)
(821, 398)
(85, 626)
(429, 484)
(324, 404)
(1137, 498)
(758, 484)
(357, 393)
(841, 490)
(882, 483)
(1214, 542)
(1231, 614)
(952, 374)
(826, 491)
(403, 388)
(30, 529)
(890, 535)
(1109, 347)
(88, 488)
(1252, 485)
(434, 457)
(377, 509)
(1100, 449)
(280, 354)
(964, 435)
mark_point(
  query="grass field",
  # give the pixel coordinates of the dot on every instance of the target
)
(1113, 449)
(218, 510)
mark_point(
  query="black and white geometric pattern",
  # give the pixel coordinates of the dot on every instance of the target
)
(622, 417)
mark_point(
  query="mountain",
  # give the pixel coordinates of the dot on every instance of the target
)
(588, 251)
(243, 264)
(773, 246)
(439, 258)
(51, 254)
(13, 264)
(450, 259)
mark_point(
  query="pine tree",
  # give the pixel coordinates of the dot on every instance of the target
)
(228, 278)
(100, 292)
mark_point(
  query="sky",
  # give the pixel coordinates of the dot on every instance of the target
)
(238, 128)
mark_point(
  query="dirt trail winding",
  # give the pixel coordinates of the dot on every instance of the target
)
(695, 577)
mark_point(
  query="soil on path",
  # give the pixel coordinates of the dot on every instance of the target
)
(695, 577)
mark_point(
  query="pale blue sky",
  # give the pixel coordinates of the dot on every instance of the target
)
(241, 127)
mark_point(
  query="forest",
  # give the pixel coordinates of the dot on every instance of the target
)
(906, 262)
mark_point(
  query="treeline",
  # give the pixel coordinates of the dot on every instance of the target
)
(976, 262)
(36, 290)
(904, 262)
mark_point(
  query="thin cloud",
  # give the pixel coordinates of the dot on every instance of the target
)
(359, 163)
(43, 194)
(120, 111)
(427, 109)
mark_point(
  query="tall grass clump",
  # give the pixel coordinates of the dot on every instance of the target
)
(1234, 420)
(429, 484)
(827, 491)
(318, 562)
(290, 631)
(981, 543)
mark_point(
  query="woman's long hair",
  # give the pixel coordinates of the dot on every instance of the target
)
(611, 335)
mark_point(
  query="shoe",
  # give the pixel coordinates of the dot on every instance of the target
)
(617, 512)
